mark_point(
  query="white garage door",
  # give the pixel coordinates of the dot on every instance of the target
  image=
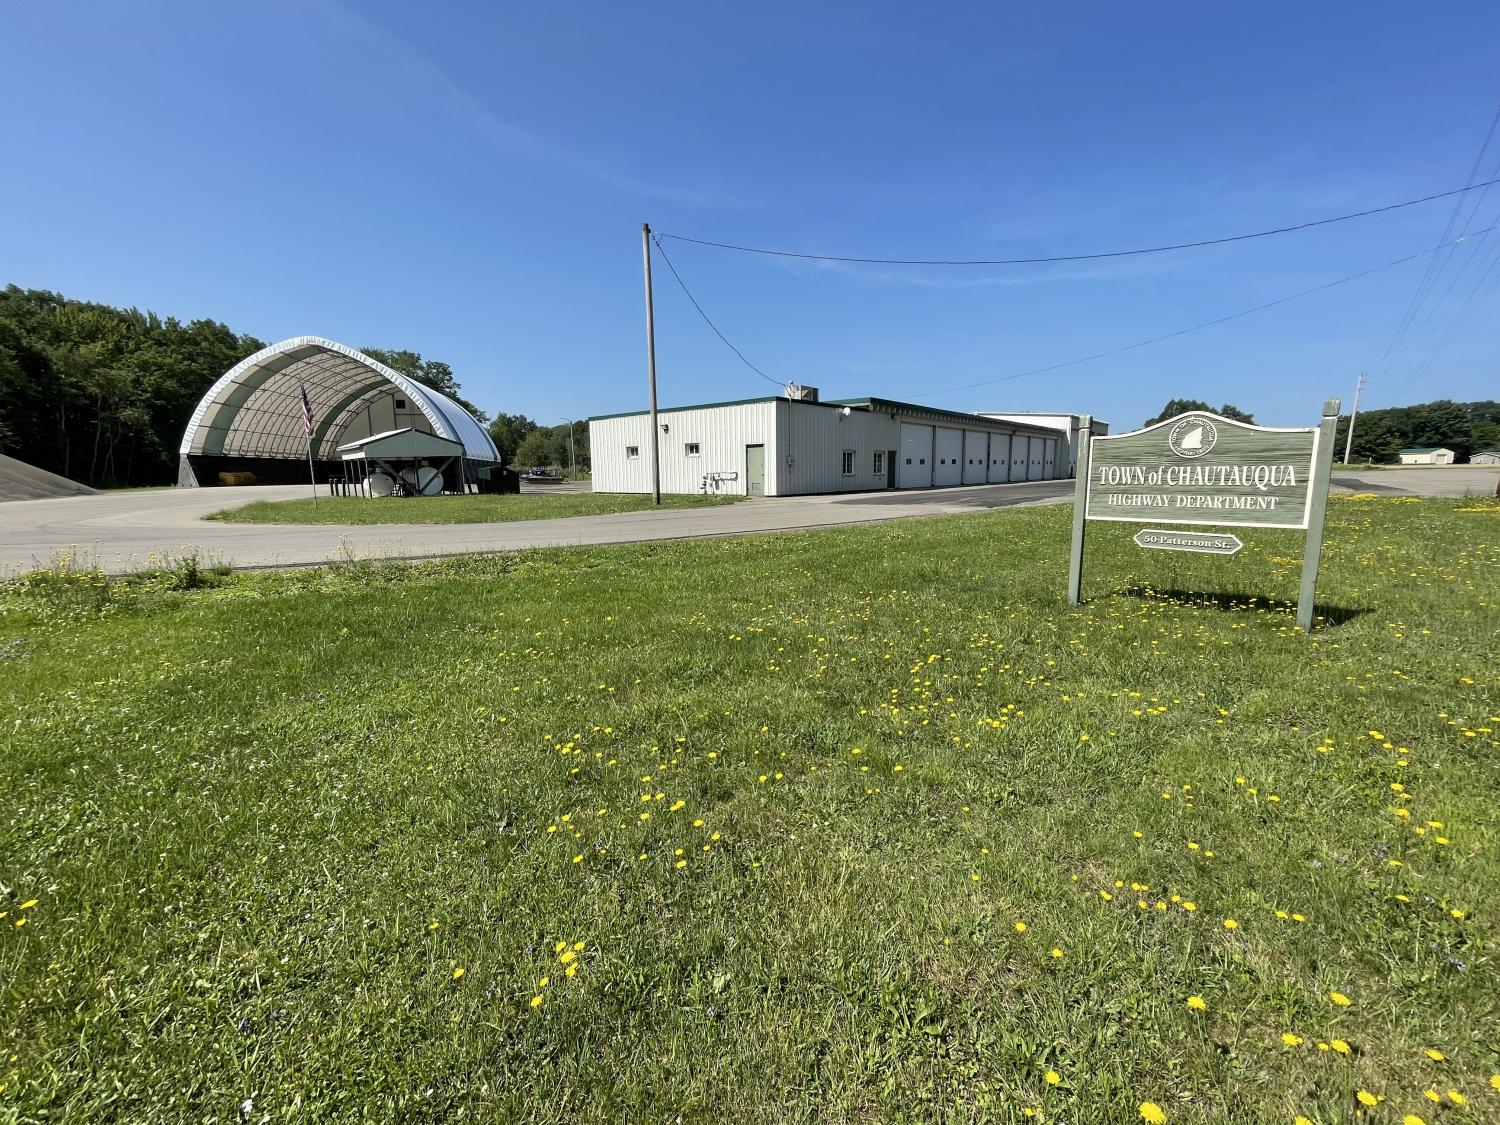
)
(1018, 449)
(1049, 460)
(999, 469)
(914, 466)
(948, 468)
(1034, 460)
(976, 453)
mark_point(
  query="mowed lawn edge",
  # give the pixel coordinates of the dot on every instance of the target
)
(850, 825)
(356, 511)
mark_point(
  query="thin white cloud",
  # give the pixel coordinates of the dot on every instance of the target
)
(418, 73)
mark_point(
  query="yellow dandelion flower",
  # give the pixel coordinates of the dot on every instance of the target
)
(1456, 1098)
(1058, 953)
(1435, 1055)
(1153, 1113)
(1020, 927)
(1432, 1096)
(566, 956)
(543, 982)
(571, 971)
(536, 1001)
(1197, 1003)
(1340, 999)
(1291, 1039)
(1231, 924)
(1339, 1045)
(28, 904)
(1300, 1120)
(1052, 1077)
(1495, 1081)
(1366, 1098)
(457, 973)
(1412, 1119)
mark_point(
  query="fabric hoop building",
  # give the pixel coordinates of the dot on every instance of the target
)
(252, 418)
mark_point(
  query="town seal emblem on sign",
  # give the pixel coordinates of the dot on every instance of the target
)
(1194, 436)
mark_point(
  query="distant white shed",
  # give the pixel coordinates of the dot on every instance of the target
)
(1426, 455)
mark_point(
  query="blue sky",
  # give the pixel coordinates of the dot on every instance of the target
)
(469, 180)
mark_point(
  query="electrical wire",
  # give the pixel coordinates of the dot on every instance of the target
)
(1439, 262)
(704, 315)
(1077, 257)
(1206, 323)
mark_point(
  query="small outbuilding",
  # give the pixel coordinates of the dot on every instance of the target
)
(1426, 455)
(405, 462)
(1487, 457)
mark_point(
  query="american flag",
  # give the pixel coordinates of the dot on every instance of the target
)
(306, 410)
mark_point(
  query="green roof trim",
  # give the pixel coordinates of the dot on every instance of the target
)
(976, 421)
(1425, 449)
(679, 409)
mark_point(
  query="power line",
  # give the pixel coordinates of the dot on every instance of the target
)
(704, 315)
(1206, 323)
(1439, 262)
(1076, 257)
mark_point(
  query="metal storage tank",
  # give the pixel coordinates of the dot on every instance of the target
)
(915, 468)
(949, 451)
(976, 454)
(998, 469)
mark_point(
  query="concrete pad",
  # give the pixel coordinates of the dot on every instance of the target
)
(128, 531)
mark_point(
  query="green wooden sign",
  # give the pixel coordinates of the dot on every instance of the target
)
(1204, 469)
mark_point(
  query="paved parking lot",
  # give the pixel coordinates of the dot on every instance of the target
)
(125, 531)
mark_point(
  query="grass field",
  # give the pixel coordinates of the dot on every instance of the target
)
(454, 509)
(848, 826)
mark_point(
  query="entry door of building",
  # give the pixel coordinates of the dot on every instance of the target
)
(755, 470)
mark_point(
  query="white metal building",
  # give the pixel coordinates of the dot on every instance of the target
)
(780, 446)
(1067, 424)
(1485, 457)
(1426, 455)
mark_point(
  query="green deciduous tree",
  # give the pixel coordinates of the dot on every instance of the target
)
(1182, 405)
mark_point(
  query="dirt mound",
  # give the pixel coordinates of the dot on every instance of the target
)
(20, 481)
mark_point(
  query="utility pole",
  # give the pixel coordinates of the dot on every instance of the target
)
(651, 364)
(1353, 413)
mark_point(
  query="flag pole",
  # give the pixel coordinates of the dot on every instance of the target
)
(312, 474)
(307, 424)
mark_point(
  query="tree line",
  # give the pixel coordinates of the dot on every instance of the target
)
(1464, 427)
(102, 395)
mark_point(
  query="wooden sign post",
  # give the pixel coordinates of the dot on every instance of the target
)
(1203, 469)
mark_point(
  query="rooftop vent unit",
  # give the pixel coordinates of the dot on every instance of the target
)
(798, 393)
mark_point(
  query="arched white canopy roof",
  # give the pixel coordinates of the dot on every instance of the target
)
(255, 408)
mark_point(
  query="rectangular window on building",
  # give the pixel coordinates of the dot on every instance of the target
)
(691, 448)
(848, 465)
(880, 462)
(632, 452)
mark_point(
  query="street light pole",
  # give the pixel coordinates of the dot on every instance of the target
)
(572, 456)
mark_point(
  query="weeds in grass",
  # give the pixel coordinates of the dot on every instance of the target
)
(856, 825)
